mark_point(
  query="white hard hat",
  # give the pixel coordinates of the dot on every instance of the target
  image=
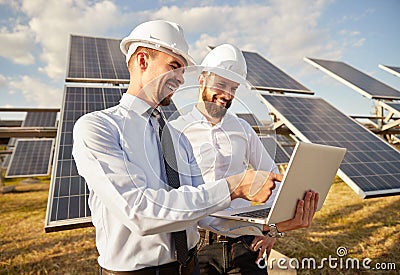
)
(227, 61)
(160, 35)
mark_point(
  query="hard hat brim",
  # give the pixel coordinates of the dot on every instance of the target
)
(227, 74)
(125, 44)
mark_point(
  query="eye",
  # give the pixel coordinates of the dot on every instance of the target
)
(220, 85)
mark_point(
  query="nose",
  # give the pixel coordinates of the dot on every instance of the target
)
(179, 75)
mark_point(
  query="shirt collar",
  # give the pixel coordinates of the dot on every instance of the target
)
(135, 104)
(198, 116)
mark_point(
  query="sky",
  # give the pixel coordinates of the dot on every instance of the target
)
(34, 37)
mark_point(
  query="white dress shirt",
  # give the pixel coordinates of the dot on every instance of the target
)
(117, 152)
(222, 150)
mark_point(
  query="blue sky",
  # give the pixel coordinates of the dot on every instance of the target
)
(363, 33)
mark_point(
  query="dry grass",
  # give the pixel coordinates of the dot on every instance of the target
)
(367, 228)
(25, 248)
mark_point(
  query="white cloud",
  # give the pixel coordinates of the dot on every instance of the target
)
(36, 92)
(17, 45)
(3, 81)
(52, 21)
(282, 31)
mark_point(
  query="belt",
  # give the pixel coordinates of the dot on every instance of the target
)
(165, 269)
(211, 237)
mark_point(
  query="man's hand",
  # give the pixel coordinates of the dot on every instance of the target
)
(262, 243)
(253, 185)
(304, 214)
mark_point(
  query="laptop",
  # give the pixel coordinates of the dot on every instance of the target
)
(311, 167)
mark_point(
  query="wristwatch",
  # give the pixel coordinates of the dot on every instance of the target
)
(274, 233)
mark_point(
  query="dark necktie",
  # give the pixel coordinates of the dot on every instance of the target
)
(171, 170)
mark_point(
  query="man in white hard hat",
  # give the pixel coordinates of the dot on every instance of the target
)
(224, 145)
(144, 212)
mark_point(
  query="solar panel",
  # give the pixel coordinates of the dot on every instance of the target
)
(371, 166)
(263, 75)
(249, 118)
(275, 150)
(68, 194)
(32, 119)
(40, 119)
(359, 81)
(94, 59)
(287, 143)
(391, 69)
(31, 157)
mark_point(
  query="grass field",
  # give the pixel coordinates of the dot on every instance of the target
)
(365, 228)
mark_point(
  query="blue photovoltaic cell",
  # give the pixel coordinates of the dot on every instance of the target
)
(250, 119)
(263, 75)
(68, 194)
(40, 119)
(275, 150)
(31, 157)
(357, 80)
(371, 166)
(32, 119)
(287, 143)
(94, 59)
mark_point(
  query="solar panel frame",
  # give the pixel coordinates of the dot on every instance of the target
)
(390, 120)
(287, 143)
(30, 160)
(364, 81)
(391, 106)
(68, 191)
(96, 60)
(263, 75)
(394, 70)
(385, 158)
(6, 161)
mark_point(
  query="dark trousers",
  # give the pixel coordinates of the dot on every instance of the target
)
(228, 258)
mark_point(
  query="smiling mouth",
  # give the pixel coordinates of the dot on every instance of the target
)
(171, 88)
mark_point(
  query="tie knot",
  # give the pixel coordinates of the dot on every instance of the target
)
(156, 113)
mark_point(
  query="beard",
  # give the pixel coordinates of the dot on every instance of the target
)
(165, 101)
(213, 109)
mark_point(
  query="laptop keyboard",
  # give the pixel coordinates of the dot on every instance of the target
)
(260, 213)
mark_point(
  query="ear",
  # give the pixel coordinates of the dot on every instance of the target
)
(142, 59)
(201, 80)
